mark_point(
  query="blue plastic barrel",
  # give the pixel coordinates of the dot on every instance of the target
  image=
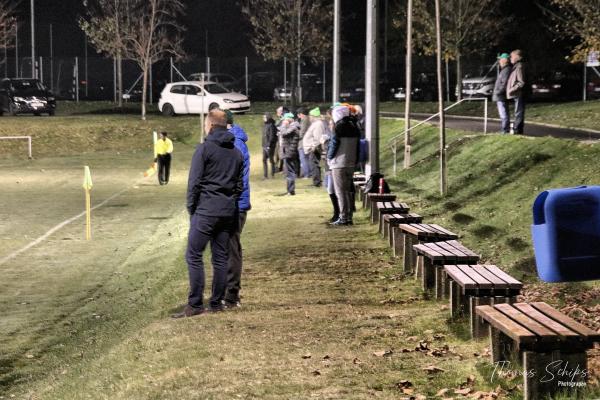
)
(566, 234)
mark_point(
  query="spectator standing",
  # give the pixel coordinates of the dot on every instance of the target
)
(163, 149)
(269, 144)
(304, 125)
(312, 144)
(290, 135)
(216, 181)
(234, 276)
(515, 89)
(343, 157)
(499, 95)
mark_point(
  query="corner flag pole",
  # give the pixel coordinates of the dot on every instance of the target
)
(87, 186)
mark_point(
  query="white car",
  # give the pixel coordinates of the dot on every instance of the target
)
(190, 98)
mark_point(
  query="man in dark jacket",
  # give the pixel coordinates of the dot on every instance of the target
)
(234, 276)
(499, 95)
(515, 89)
(269, 144)
(215, 183)
(290, 137)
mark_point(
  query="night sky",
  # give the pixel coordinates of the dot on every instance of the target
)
(228, 32)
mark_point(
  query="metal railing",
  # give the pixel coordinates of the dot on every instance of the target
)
(28, 138)
(393, 142)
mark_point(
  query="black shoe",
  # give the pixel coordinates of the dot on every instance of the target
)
(189, 311)
(231, 305)
(341, 222)
(334, 218)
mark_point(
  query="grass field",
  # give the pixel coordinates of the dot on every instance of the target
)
(327, 313)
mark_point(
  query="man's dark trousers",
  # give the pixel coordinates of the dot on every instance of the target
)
(292, 170)
(164, 167)
(234, 276)
(315, 166)
(217, 231)
(268, 157)
(519, 115)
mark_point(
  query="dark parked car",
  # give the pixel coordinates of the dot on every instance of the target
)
(556, 86)
(26, 96)
(593, 88)
(424, 88)
(260, 85)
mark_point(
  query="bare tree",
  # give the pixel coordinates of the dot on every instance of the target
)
(8, 27)
(579, 20)
(105, 25)
(292, 29)
(152, 34)
(468, 26)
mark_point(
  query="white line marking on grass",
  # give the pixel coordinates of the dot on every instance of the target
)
(57, 228)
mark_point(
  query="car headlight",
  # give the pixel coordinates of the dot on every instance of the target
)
(534, 86)
(557, 86)
(19, 99)
(51, 99)
(228, 101)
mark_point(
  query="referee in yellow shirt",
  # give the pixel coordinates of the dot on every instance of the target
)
(163, 148)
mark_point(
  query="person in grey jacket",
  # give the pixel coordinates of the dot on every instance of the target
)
(290, 137)
(499, 95)
(312, 144)
(342, 156)
(515, 89)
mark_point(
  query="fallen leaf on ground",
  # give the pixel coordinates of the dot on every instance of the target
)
(432, 369)
(306, 356)
(383, 353)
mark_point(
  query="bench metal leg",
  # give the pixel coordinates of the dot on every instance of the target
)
(374, 213)
(456, 300)
(439, 282)
(501, 346)
(446, 285)
(428, 272)
(478, 328)
(418, 268)
(398, 242)
(381, 224)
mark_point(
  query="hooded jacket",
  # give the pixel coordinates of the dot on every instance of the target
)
(240, 143)
(345, 143)
(516, 81)
(290, 137)
(216, 178)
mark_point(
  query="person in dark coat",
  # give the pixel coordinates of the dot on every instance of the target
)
(215, 183)
(290, 137)
(269, 144)
(499, 94)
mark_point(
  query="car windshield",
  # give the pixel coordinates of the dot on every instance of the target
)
(26, 87)
(215, 88)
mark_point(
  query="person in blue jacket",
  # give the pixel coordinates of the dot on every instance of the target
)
(232, 296)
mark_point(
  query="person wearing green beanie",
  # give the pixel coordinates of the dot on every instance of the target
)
(312, 144)
(499, 94)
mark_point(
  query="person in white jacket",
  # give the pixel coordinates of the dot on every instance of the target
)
(312, 144)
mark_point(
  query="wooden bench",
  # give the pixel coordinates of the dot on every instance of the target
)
(387, 207)
(393, 234)
(544, 340)
(359, 178)
(418, 233)
(371, 198)
(359, 188)
(431, 258)
(476, 285)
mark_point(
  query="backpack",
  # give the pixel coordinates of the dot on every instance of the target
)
(372, 185)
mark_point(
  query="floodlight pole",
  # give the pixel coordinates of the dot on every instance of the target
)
(443, 161)
(32, 40)
(335, 82)
(372, 88)
(408, 88)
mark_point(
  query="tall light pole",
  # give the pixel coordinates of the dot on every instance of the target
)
(335, 82)
(408, 88)
(33, 40)
(443, 155)
(372, 88)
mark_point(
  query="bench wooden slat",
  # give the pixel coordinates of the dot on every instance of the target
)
(567, 321)
(512, 282)
(412, 229)
(439, 249)
(498, 283)
(460, 277)
(482, 282)
(458, 245)
(509, 327)
(430, 253)
(544, 320)
(545, 334)
(443, 230)
(452, 249)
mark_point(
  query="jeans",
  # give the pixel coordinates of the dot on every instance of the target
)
(217, 231)
(519, 115)
(234, 276)
(504, 113)
(304, 164)
(164, 167)
(292, 169)
(314, 158)
(342, 183)
(268, 157)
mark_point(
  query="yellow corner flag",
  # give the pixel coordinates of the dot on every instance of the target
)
(87, 185)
